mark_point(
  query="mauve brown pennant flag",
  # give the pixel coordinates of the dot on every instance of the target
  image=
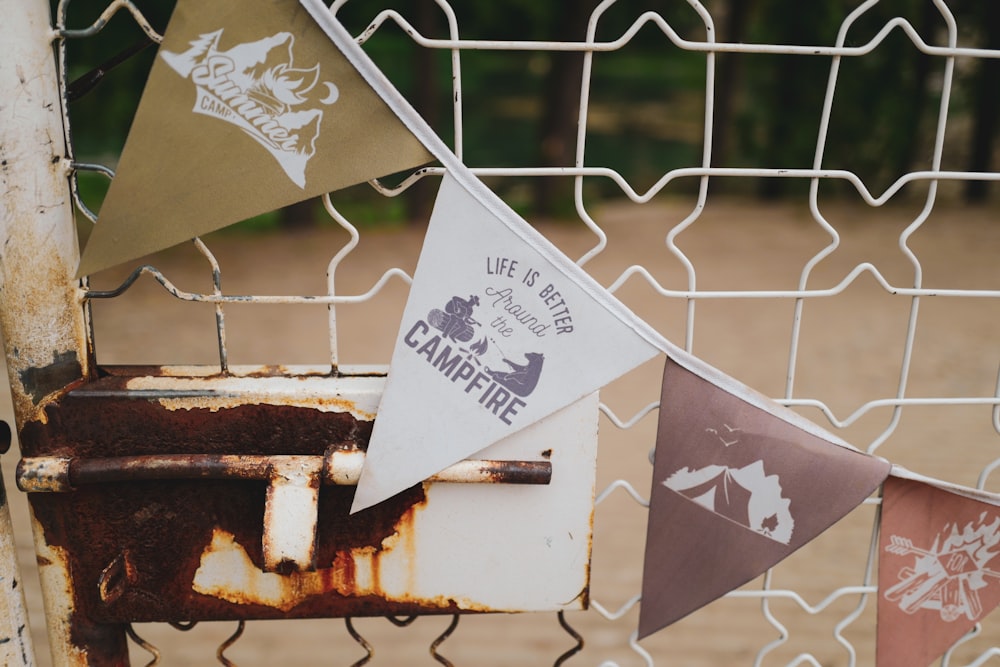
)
(939, 569)
(736, 488)
(249, 107)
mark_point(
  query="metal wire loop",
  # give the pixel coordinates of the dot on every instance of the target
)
(572, 633)
(441, 638)
(362, 642)
(145, 645)
(220, 653)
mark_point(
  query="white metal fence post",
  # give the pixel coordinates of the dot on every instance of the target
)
(15, 638)
(40, 312)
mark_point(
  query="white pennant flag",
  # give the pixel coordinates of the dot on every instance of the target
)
(500, 331)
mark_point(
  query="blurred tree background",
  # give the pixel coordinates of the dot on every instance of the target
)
(647, 103)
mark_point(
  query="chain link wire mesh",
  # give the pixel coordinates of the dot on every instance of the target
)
(838, 301)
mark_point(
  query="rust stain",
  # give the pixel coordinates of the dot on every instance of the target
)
(503, 472)
(47, 298)
(99, 425)
(584, 595)
(39, 382)
(374, 563)
(228, 573)
(114, 536)
(218, 391)
(270, 370)
(54, 573)
(116, 578)
(216, 403)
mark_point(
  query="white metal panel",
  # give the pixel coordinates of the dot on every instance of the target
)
(471, 546)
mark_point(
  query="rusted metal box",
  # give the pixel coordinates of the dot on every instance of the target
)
(176, 493)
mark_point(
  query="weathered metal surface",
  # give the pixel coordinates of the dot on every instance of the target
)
(41, 315)
(292, 496)
(40, 311)
(344, 467)
(290, 515)
(44, 474)
(412, 554)
(59, 474)
(15, 638)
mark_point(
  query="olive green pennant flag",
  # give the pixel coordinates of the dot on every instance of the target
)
(249, 107)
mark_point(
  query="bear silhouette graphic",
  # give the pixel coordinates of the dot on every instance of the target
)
(522, 378)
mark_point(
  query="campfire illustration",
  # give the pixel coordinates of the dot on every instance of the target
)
(256, 87)
(948, 576)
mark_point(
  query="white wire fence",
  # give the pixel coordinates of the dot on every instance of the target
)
(875, 312)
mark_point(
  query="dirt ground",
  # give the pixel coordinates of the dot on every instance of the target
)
(850, 350)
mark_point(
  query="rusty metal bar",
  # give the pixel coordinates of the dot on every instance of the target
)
(344, 468)
(53, 474)
(291, 506)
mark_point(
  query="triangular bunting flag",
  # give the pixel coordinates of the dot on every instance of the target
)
(499, 331)
(939, 568)
(248, 108)
(736, 488)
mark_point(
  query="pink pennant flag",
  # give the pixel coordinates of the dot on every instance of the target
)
(939, 567)
(739, 483)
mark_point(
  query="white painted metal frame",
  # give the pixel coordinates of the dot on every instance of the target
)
(622, 616)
